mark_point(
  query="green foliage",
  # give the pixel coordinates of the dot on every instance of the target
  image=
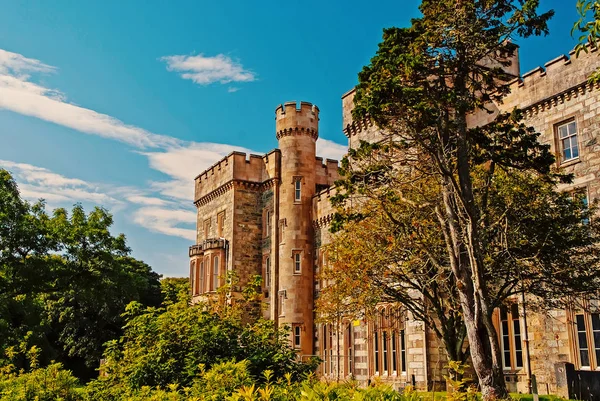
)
(64, 282)
(178, 343)
(46, 384)
(588, 26)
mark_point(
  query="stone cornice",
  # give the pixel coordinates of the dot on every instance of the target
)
(223, 189)
(297, 131)
(560, 98)
(357, 126)
(323, 221)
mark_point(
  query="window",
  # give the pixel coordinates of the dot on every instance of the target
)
(206, 228)
(588, 340)
(324, 351)
(297, 189)
(281, 301)
(297, 255)
(567, 136)
(394, 353)
(215, 273)
(511, 338)
(297, 332)
(282, 224)
(385, 351)
(202, 288)
(267, 274)
(402, 352)
(268, 223)
(389, 348)
(193, 277)
(349, 340)
(376, 351)
(220, 224)
(582, 342)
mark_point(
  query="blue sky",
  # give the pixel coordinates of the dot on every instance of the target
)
(122, 103)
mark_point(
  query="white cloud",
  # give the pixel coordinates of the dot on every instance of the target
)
(233, 89)
(40, 183)
(330, 150)
(205, 70)
(20, 95)
(158, 207)
(167, 221)
(18, 64)
(183, 164)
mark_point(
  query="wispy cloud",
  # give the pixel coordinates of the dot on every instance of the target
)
(148, 211)
(158, 206)
(233, 89)
(17, 64)
(40, 183)
(205, 70)
(19, 94)
(330, 150)
(166, 221)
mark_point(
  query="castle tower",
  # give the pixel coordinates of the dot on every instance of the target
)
(297, 132)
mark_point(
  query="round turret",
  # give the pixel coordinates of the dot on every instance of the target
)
(297, 130)
(289, 120)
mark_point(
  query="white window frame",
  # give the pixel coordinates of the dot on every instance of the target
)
(568, 136)
(297, 258)
(297, 335)
(216, 272)
(297, 190)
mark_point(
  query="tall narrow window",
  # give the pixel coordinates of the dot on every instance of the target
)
(297, 262)
(281, 302)
(505, 334)
(193, 276)
(297, 190)
(202, 273)
(206, 228)
(268, 273)
(331, 362)
(402, 351)
(385, 351)
(350, 349)
(584, 351)
(596, 336)
(268, 223)
(297, 332)
(517, 336)
(376, 351)
(567, 136)
(325, 351)
(215, 273)
(394, 353)
(220, 224)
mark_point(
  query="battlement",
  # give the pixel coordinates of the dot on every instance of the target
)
(556, 77)
(326, 172)
(237, 166)
(291, 120)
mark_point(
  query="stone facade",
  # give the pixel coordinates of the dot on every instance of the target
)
(270, 215)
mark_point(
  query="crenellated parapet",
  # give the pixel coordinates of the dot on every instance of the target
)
(323, 211)
(291, 120)
(236, 169)
(559, 80)
(326, 171)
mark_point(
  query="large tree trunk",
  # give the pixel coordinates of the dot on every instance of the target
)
(467, 264)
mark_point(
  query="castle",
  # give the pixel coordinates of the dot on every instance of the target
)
(269, 215)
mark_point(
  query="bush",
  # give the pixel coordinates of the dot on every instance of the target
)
(47, 384)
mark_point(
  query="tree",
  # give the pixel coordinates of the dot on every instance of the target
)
(64, 282)
(421, 87)
(589, 29)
